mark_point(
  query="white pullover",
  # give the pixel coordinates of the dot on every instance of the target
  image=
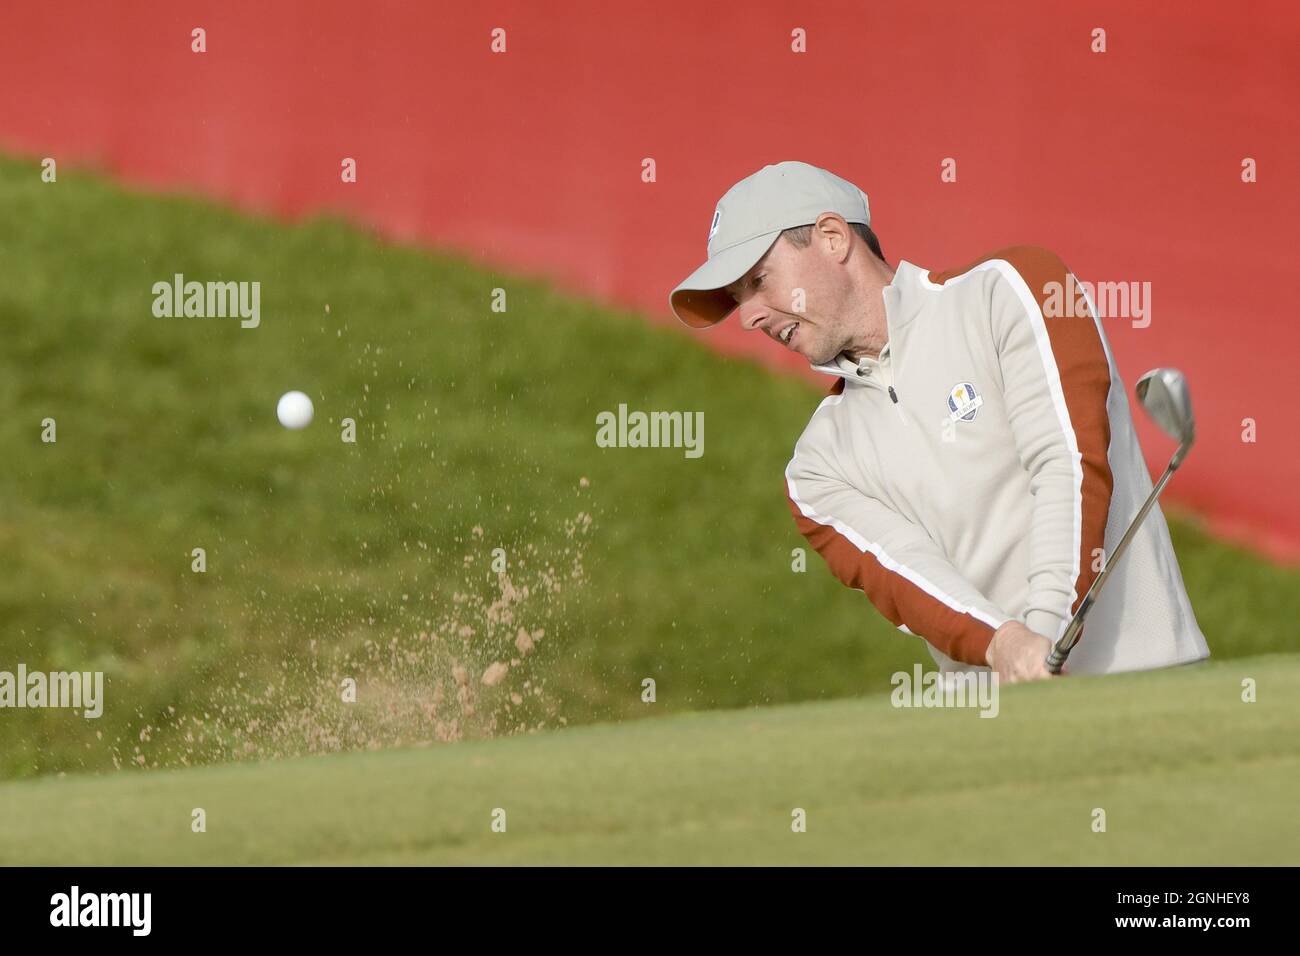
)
(974, 472)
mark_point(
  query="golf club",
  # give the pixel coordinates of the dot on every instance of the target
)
(1163, 393)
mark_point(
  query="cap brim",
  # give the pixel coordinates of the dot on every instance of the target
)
(701, 300)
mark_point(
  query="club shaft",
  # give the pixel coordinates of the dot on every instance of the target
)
(1056, 659)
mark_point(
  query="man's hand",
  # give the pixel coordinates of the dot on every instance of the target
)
(1016, 653)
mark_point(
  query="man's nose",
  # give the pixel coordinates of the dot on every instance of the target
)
(752, 315)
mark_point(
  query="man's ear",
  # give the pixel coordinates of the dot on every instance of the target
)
(836, 232)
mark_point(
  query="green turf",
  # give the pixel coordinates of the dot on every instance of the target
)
(329, 560)
(1186, 772)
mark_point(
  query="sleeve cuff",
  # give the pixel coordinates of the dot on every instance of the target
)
(1045, 623)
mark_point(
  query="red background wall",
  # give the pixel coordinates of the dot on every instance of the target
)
(1127, 163)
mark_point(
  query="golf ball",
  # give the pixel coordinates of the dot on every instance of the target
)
(294, 410)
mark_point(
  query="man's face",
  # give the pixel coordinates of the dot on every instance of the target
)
(797, 297)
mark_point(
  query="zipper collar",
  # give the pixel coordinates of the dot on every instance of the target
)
(861, 371)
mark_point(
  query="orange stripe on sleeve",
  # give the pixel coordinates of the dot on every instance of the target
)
(960, 636)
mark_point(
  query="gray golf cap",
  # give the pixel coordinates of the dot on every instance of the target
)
(747, 222)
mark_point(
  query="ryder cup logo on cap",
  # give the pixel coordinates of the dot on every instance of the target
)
(964, 402)
(747, 221)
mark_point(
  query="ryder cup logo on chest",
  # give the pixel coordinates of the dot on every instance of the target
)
(963, 402)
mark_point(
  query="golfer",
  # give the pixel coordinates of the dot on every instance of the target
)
(976, 458)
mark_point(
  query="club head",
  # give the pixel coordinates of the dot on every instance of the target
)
(1163, 393)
